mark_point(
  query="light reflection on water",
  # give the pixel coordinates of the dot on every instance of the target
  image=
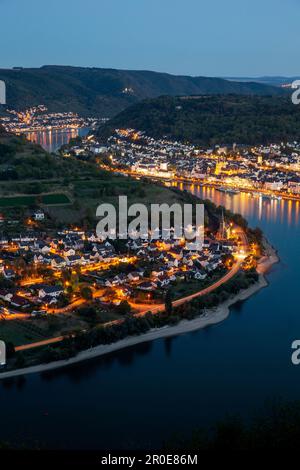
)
(251, 207)
(52, 140)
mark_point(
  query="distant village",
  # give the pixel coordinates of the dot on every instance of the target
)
(38, 118)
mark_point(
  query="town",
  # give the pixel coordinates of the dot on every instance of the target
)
(61, 271)
(269, 171)
(38, 118)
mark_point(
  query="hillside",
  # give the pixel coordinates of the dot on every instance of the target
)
(21, 159)
(28, 175)
(209, 120)
(105, 92)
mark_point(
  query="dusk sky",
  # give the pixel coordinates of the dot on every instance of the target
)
(215, 38)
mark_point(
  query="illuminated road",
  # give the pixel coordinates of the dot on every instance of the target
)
(44, 342)
(161, 307)
(146, 308)
(234, 270)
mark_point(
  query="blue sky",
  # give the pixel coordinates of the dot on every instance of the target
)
(195, 37)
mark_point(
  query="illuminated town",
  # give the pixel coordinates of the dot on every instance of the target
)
(264, 171)
(56, 274)
(38, 118)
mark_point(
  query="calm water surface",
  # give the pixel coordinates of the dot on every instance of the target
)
(140, 396)
(54, 139)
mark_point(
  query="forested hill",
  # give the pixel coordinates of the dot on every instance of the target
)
(21, 159)
(105, 92)
(208, 120)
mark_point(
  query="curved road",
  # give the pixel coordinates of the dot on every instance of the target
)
(161, 307)
(146, 309)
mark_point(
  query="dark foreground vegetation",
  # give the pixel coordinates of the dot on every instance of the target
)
(276, 427)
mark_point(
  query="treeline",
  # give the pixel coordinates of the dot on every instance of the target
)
(275, 427)
(209, 120)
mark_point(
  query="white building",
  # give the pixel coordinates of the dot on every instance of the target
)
(39, 215)
(274, 185)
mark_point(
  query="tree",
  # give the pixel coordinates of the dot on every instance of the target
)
(168, 302)
(86, 293)
(20, 360)
(124, 308)
(10, 350)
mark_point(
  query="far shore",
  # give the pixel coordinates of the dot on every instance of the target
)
(210, 317)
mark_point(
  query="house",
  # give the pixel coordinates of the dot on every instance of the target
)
(164, 282)
(9, 273)
(199, 275)
(229, 245)
(134, 276)
(95, 256)
(58, 261)
(6, 294)
(176, 252)
(91, 237)
(69, 252)
(19, 302)
(147, 286)
(158, 272)
(39, 215)
(47, 259)
(73, 260)
(42, 247)
(49, 300)
(212, 266)
(38, 259)
(118, 279)
(52, 291)
(3, 241)
(109, 283)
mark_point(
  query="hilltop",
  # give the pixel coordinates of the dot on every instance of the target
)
(207, 120)
(105, 92)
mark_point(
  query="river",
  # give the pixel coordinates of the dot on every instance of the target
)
(52, 140)
(140, 396)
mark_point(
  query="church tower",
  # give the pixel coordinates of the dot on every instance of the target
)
(222, 233)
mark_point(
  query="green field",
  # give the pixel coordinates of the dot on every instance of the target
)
(49, 199)
(55, 199)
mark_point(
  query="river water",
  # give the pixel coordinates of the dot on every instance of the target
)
(54, 139)
(140, 396)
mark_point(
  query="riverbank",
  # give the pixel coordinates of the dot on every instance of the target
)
(210, 317)
(271, 257)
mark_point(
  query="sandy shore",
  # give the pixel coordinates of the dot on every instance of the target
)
(210, 317)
